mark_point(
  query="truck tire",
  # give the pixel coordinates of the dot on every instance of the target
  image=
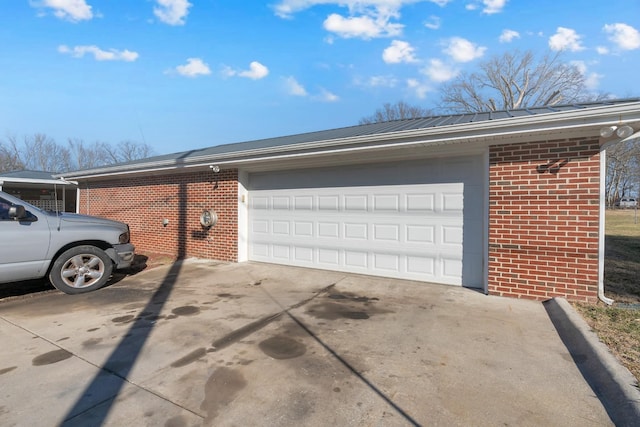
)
(81, 269)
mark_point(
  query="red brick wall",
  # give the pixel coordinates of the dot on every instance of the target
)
(143, 202)
(543, 219)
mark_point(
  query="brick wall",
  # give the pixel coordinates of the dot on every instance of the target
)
(543, 219)
(143, 202)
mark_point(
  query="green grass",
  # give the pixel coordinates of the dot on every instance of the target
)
(618, 327)
(622, 256)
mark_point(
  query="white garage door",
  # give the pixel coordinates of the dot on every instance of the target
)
(413, 220)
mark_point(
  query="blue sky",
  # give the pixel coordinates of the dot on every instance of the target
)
(183, 74)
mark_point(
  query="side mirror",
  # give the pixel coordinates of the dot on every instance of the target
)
(17, 212)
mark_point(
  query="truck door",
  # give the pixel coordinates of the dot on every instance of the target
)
(23, 245)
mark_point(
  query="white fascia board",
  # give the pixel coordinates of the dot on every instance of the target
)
(6, 180)
(491, 132)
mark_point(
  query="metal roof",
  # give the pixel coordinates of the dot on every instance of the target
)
(358, 131)
(28, 178)
(26, 174)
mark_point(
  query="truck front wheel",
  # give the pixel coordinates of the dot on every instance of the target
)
(81, 269)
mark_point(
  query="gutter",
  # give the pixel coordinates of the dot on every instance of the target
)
(60, 181)
(440, 135)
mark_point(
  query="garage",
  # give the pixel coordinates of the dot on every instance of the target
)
(419, 220)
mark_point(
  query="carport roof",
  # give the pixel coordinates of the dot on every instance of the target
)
(24, 177)
(356, 134)
(27, 174)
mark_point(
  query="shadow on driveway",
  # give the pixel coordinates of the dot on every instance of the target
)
(121, 361)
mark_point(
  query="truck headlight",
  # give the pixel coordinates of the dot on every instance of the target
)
(124, 237)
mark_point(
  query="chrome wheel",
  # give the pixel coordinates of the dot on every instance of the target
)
(82, 270)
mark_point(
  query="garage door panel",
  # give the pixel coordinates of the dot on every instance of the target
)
(356, 203)
(420, 265)
(386, 232)
(420, 202)
(303, 254)
(303, 203)
(281, 227)
(329, 256)
(329, 203)
(420, 233)
(414, 230)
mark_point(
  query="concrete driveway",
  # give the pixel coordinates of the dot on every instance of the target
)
(205, 343)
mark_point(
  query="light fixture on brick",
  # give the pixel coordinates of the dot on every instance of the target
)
(623, 131)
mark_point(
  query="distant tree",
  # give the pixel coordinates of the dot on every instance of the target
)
(516, 80)
(88, 156)
(42, 153)
(127, 151)
(9, 158)
(623, 171)
(398, 111)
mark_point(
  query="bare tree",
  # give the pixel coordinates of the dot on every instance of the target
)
(87, 156)
(516, 80)
(127, 151)
(623, 171)
(398, 111)
(9, 157)
(40, 152)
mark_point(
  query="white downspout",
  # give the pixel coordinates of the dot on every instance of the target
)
(601, 229)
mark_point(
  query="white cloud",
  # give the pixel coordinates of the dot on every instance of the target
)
(591, 80)
(72, 10)
(602, 50)
(379, 81)
(565, 39)
(433, 23)
(420, 89)
(507, 36)
(256, 71)
(365, 27)
(287, 8)
(462, 50)
(399, 51)
(326, 96)
(439, 72)
(172, 12)
(493, 6)
(624, 36)
(193, 68)
(99, 54)
(365, 19)
(489, 7)
(580, 65)
(294, 88)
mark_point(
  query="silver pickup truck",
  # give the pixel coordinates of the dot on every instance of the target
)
(77, 252)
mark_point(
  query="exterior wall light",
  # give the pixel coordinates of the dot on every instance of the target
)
(214, 168)
(608, 131)
(624, 131)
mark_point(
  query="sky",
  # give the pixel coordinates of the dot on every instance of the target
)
(186, 74)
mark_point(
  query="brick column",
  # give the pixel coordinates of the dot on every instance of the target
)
(543, 219)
